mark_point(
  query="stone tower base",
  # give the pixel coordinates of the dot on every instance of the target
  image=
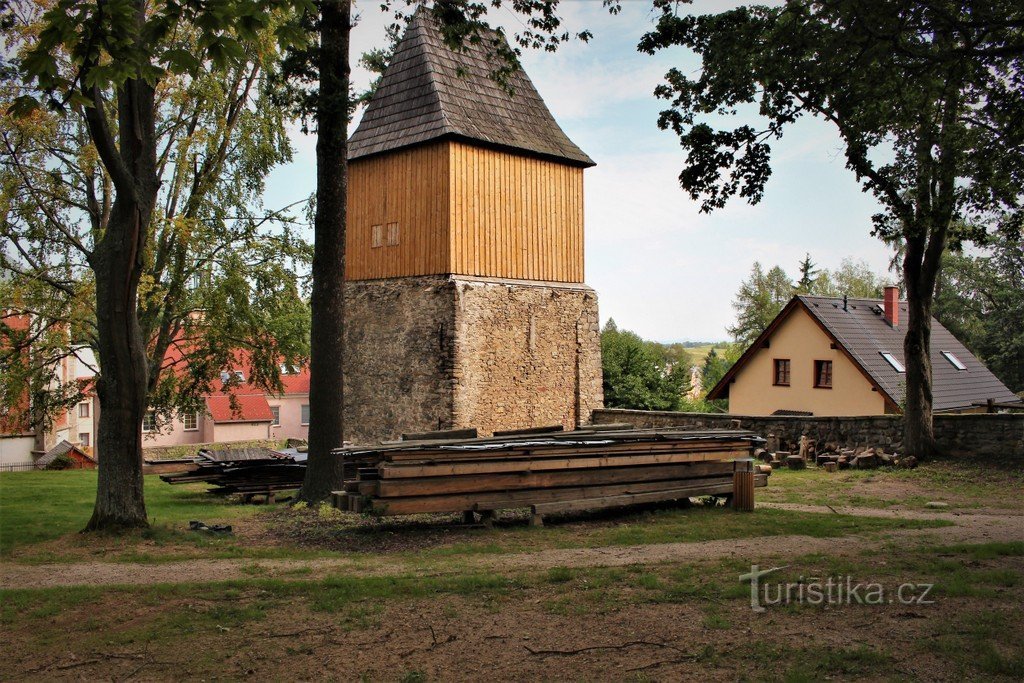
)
(445, 352)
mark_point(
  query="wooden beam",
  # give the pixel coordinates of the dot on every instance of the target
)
(393, 488)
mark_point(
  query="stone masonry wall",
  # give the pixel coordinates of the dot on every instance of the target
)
(527, 354)
(442, 352)
(983, 435)
(399, 357)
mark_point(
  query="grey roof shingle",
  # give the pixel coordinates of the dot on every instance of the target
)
(62, 448)
(864, 333)
(430, 91)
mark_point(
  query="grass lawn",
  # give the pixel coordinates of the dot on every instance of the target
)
(439, 615)
(40, 506)
(41, 511)
(962, 484)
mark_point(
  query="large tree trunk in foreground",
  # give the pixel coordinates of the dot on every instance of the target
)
(117, 263)
(921, 265)
(326, 398)
(919, 434)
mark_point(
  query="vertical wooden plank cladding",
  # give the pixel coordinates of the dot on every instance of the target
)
(410, 187)
(466, 210)
(515, 216)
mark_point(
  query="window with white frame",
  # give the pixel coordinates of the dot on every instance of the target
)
(149, 422)
(276, 412)
(83, 438)
(305, 414)
(83, 409)
(191, 422)
(954, 361)
(893, 361)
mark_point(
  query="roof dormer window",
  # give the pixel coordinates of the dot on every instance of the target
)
(891, 359)
(954, 361)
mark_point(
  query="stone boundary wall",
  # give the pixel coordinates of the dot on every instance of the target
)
(975, 434)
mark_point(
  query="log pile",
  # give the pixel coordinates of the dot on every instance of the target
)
(832, 458)
(544, 470)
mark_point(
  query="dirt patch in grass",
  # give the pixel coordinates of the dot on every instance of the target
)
(668, 622)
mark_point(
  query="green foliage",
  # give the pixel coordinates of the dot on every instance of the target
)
(758, 301)
(761, 297)
(636, 376)
(715, 366)
(854, 279)
(926, 98)
(61, 462)
(808, 275)
(221, 275)
(980, 299)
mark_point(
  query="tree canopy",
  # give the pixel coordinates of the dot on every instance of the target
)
(637, 376)
(927, 98)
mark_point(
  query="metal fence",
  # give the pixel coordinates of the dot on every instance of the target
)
(16, 466)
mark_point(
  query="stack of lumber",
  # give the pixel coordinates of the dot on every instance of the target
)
(545, 470)
(247, 472)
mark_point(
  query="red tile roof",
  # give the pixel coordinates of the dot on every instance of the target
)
(297, 383)
(246, 408)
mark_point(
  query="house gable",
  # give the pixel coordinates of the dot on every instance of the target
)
(797, 336)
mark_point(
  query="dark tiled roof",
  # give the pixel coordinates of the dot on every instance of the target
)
(864, 333)
(430, 91)
(62, 448)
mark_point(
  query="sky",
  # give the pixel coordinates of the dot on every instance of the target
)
(660, 267)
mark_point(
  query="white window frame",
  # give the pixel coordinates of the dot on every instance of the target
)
(276, 412)
(953, 360)
(184, 422)
(85, 405)
(151, 416)
(893, 361)
(304, 414)
(83, 438)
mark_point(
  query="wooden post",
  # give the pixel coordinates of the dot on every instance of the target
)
(743, 486)
(468, 517)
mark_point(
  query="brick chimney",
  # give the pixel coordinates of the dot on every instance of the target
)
(892, 305)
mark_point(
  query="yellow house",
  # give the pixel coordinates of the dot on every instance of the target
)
(833, 357)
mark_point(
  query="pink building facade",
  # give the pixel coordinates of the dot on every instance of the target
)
(239, 413)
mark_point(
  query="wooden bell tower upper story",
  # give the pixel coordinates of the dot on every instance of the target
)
(452, 174)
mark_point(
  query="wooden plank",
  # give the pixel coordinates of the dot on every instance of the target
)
(430, 486)
(522, 498)
(448, 469)
(582, 504)
(530, 430)
(470, 433)
(556, 450)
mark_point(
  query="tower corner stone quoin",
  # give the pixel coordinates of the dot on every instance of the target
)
(465, 301)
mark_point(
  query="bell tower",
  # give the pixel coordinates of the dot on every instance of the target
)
(466, 304)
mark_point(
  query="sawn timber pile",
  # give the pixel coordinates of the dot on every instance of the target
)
(548, 472)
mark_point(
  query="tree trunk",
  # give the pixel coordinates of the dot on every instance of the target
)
(919, 435)
(921, 266)
(326, 398)
(117, 262)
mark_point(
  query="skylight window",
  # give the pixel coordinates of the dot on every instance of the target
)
(954, 361)
(891, 359)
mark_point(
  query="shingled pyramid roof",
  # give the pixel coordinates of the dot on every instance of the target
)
(430, 91)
